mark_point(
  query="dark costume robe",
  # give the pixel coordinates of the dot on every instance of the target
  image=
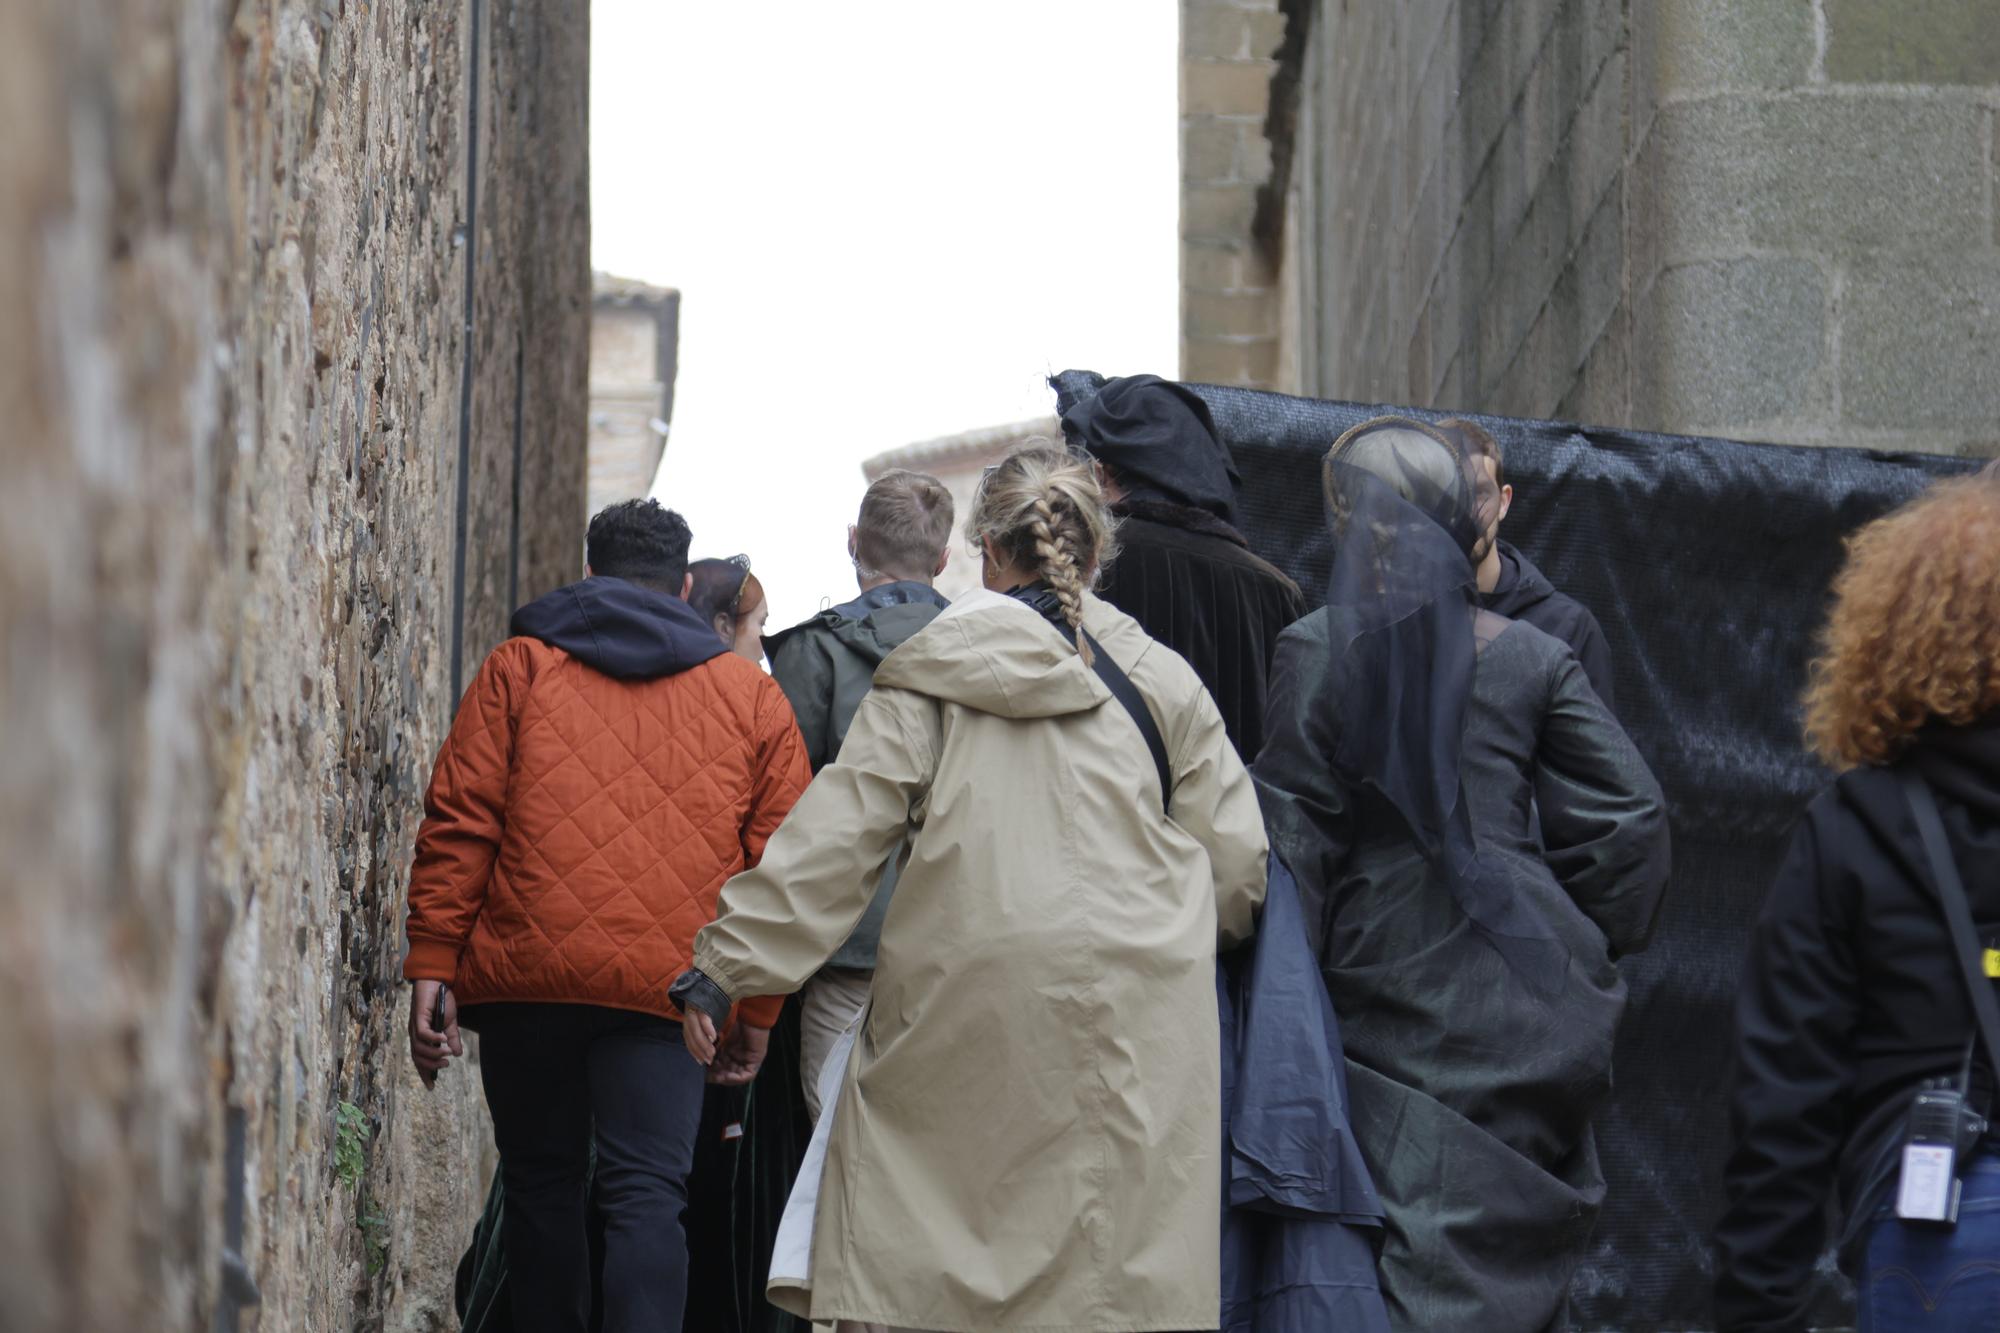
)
(1192, 583)
(1183, 571)
(1472, 1091)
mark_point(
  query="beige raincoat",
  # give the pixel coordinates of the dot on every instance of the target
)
(1028, 1134)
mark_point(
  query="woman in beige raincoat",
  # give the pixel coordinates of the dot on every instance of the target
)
(1027, 1136)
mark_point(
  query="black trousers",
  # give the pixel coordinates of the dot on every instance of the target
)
(557, 1075)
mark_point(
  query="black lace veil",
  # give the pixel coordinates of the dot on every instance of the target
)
(1411, 507)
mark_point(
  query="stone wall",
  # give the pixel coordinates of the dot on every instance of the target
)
(1811, 223)
(1230, 303)
(1761, 218)
(243, 425)
(634, 352)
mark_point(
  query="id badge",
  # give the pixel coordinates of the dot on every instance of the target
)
(1929, 1189)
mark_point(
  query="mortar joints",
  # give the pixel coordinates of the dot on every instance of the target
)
(1816, 72)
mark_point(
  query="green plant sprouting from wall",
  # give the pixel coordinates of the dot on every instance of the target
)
(350, 1144)
(350, 1167)
(374, 1233)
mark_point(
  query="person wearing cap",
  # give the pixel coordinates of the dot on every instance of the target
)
(1183, 570)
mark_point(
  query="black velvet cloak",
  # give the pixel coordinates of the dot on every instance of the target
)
(1192, 583)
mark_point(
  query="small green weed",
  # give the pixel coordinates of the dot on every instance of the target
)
(350, 1144)
(374, 1233)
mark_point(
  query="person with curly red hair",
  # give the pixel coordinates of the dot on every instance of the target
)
(1852, 999)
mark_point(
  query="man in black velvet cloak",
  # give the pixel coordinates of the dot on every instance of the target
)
(1183, 570)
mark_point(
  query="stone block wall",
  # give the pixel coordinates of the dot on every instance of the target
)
(245, 425)
(1231, 304)
(634, 346)
(1812, 221)
(1767, 219)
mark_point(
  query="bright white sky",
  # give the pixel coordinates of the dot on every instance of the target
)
(889, 220)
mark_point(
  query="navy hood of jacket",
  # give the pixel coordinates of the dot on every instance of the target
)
(621, 629)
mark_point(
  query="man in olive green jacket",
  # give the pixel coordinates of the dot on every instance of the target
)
(826, 666)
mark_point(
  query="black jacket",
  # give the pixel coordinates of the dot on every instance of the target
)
(1471, 1092)
(1192, 582)
(1850, 999)
(1524, 593)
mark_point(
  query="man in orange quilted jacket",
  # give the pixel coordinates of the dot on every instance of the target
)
(611, 765)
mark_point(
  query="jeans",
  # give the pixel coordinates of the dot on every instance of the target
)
(555, 1075)
(1936, 1279)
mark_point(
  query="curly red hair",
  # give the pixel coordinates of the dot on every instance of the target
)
(1914, 635)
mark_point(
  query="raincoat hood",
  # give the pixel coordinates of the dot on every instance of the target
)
(619, 628)
(993, 653)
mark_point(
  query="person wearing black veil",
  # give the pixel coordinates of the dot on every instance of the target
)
(1412, 738)
(1183, 570)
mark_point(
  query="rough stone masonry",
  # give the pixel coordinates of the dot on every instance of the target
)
(294, 298)
(1764, 219)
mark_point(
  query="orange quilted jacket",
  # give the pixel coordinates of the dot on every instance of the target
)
(609, 768)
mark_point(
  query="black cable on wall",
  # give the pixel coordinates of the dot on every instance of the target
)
(465, 364)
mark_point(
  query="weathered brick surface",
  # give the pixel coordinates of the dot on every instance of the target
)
(1722, 45)
(1227, 87)
(1229, 320)
(1455, 159)
(1828, 173)
(232, 263)
(1648, 213)
(1936, 321)
(634, 352)
(1914, 41)
(1731, 346)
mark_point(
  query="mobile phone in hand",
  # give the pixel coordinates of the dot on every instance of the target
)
(436, 1020)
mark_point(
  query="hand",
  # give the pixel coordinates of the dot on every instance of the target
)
(432, 1051)
(742, 1055)
(698, 1031)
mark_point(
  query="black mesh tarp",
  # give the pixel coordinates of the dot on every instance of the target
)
(1707, 562)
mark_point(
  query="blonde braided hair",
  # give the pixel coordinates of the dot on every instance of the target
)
(1043, 509)
(1055, 547)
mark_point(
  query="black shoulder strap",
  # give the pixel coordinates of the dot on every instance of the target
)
(1125, 692)
(1957, 913)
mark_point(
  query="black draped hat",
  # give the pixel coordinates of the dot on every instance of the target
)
(1158, 437)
